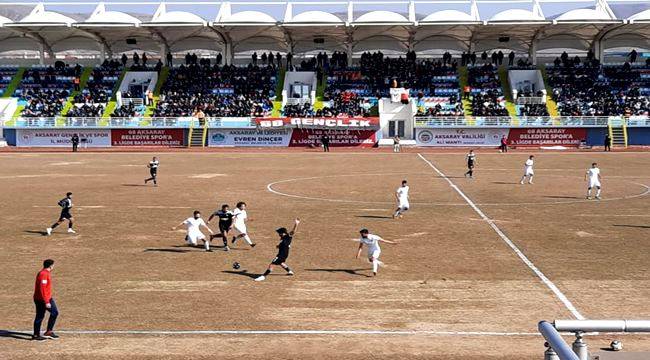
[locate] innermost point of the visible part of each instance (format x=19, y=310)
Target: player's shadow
x=15, y=335
x=505, y=183
x=177, y=249
x=347, y=271
x=135, y=185
x=242, y=273
x=633, y=226
x=374, y=217
x=42, y=233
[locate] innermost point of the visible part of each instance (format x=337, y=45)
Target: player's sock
x=375, y=265
x=286, y=268
x=54, y=226
x=267, y=272
x=598, y=193
x=207, y=245
x=70, y=225
x=248, y=239
x=589, y=192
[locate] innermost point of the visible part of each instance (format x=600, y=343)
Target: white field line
x=322, y=332
x=295, y=332
x=567, y=303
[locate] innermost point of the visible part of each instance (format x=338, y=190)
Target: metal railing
x=245, y=122
x=558, y=349
x=127, y=122
x=530, y=100
x=523, y=121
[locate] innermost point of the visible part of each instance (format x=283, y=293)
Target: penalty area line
x=567, y=303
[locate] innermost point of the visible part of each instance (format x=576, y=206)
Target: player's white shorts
x=594, y=183
x=241, y=228
x=374, y=254
x=403, y=205
x=193, y=239
x=529, y=172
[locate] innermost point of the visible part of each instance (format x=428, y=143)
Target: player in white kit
x=528, y=170
x=402, y=196
x=593, y=176
x=372, y=242
x=239, y=223
x=194, y=233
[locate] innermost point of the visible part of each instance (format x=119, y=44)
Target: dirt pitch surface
x=477, y=262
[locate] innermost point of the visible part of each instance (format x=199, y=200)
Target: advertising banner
x=147, y=137
x=249, y=137
x=61, y=137
x=547, y=136
x=367, y=123
x=460, y=137
x=312, y=137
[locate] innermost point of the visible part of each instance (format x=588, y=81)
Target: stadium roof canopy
x=305, y=26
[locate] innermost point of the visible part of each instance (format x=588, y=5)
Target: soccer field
x=477, y=262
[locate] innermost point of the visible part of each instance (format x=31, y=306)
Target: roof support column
x=532, y=51
x=598, y=47
x=164, y=49
x=41, y=55
x=229, y=54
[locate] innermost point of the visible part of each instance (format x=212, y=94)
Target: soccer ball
x=616, y=345
x=236, y=265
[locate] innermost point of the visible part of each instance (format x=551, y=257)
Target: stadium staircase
x=463, y=80
x=277, y=103
x=164, y=73
x=10, y=90
x=617, y=132
x=15, y=81
x=507, y=93
x=112, y=103
x=197, y=135
x=551, y=105
x=83, y=80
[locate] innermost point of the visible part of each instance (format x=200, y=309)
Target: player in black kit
x=283, y=251
x=66, y=205
x=225, y=224
x=153, y=170
x=471, y=162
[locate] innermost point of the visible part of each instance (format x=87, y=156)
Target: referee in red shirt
x=44, y=302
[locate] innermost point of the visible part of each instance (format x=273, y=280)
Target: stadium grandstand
x=468, y=63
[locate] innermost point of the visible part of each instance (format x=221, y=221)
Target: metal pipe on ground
x=555, y=341
x=602, y=325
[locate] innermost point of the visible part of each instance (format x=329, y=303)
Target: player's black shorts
x=470, y=164
x=279, y=260
x=65, y=214
x=224, y=227
x=153, y=172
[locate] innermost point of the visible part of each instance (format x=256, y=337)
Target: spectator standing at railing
x=633, y=56
x=170, y=58
x=124, y=60
x=76, y=82
x=144, y=59
x=511, y=58
x=75, y=142
x=200, y=115
x=136, y=58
